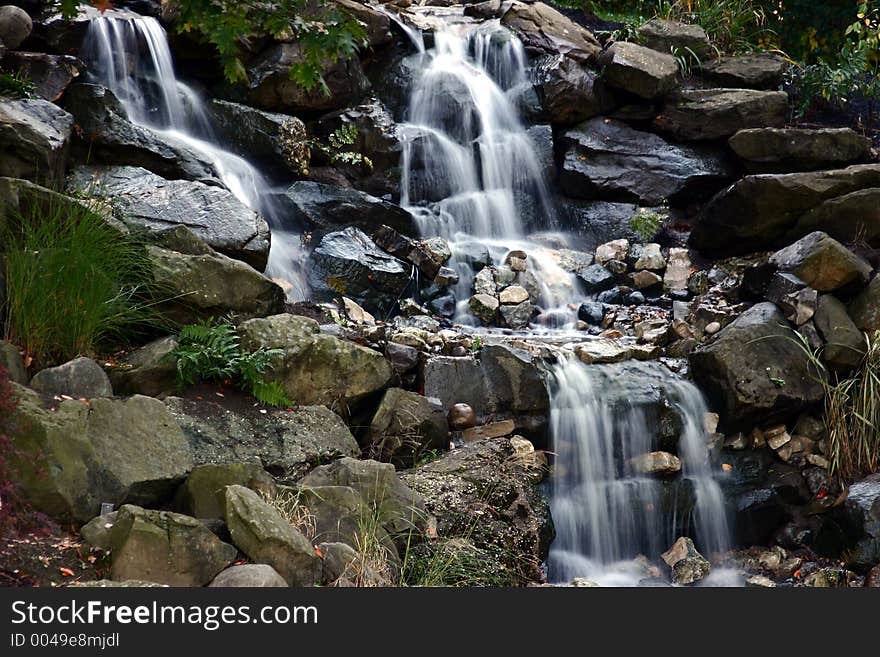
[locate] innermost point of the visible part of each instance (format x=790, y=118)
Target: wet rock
x=570, y=92
x=203, y=494
x=15, y=26
x=844, y=343
x=516, y=316
x=783, y=150
x=650, y=257
x=248, y=575
x=348, y=262
x=670, y=36
x=656, y=463
x=484, y=307
x=592, y=312
x=408, y=250
x=678, y=270
x=755, y=71
x=744, y=394
x=688, y=565
x=864, y=309
x=376, y=24
x=81, y=377
x=703, y=114
x=166, y=548
x=407, y=425
x=377, y=135
x=35, y=139
x=768, y=211
x=513, y=294
x=822, y=262
x=638, y=70
x=596, y=278
x=611, y=351
x=260, y=531
x=642, y=280
x=543, y=29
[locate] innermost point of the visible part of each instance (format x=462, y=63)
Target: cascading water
x=131, y=57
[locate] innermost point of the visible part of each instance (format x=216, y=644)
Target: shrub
x=15, y=85
x=211, y=351
x=73, y=281
x=647, y=223
x=732, y=25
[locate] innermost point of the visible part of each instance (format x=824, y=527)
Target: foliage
x=337, y=148
x=287, y=502
x=210, y=351
x=322, y=31
x=73, y=282
x=732, y=26
x=647, y=223
x=16, y=85
x=452, y=562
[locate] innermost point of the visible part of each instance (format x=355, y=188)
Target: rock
x=167, y=548
x=592, y=312
x=613, y=250
x=822, y=262
x=406, y=425
x=678, y=270
x=770, y=210
x=688, y=565
x=213, y=285
x=249, y=575
x=484, y=282
x=484, y=307
x=348, y=262
x=638, y=70
x=651, y=258
x=642, y=280
x=568, y=91
x=862, y=509
x=482, y=492
x=287, y=444
x=408, y=250
x=543, y=29
x=783, y=150
x=712, y=328
x=792, y=296
x=35, y=139
x=401, y=509
x=864, y=309
x=490, y=430
x=327, y=208
x=756, y=71
x=596, y=278
x=203, y=494
x=277, y=140
x=474, y=253
x=776, y=437
x=844, y=343
x=259, y=530
x=703, y=114
x=517, y=316
x=12, y=361
x=403, y=358
x=97, y=532
x=212, y=214
x=149, y=370
x=50, y=74
x=604, y=350
x=461, y=416
x=110, y=138
x=656, y=463
x=610, y=160
x=670, y=36
x=15, y=26
x=744, y=394
x=377, y=135
x=513, y=294
x=271, y=87
x=81, y=377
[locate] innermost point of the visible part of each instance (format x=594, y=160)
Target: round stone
x=461, y=417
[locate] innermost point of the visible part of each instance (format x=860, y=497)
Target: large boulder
x=213, y=214
x=317, y=368
x=68, y=460
x=638, y=70
x=15, y=26
x=770, y=210
x=277, y=140
x=149, y=370
x=406, y=426
x=248, y=575
x=862, y=507
x=487, y=493
x=755, y=71
x=260, y=531
x=376, y=23
x=596, y=222
x=673, y=37
x=755, y=371
x=109, y=137
x=822, y=262
x=349, y=263
x=608, y=159
x=844, y=342
x=81, y=377
x=287, y=444
x=544, y=30
x=569, y=92
x=271, y=87
x=166, y=548
x=203, y=494
x=35, y=139
x=326, y=208
x=50, y=74
x=782, y=150
x=704, y=114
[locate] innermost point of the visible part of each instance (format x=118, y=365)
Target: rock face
x=544, y=30
x=609, y=160
x=822, y=262
x=665, y=36
x=34, y=138
x=758, y=71
x=260, y=531
x=766, y=211
x=81, y=377
x=406, y=425
x=747, y=394
x=782, y=150
x=248, y=575
x=213, y=214
x=485, y=493
x=844, y=342
x=110, y=138
x=166, y=548
x=638, y=70
x=316, y=368
x=703, y=114
x=570, y=92
x=50, y=74
x=272, y=89
x=286, y=444
x=326, y=208
x=348, y=262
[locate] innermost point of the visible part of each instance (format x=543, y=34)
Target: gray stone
x=15, y=26
x=862, y=507
x=704, y=114
x=484, y=307
x=249, y=575
x=570, y=92
x=543, y=29
x=403, y=358
x=638, y=70
x=783, y=150
x=592, y=312
x=149, y=370
x=672, y=37
x=596, y=278
x=203, y=494
x=755, y=71
x=34, y=138
x=50, y=74
x=517, y=316
x=688, y=566
x=864, y=309
x=81, y=377
x=11, y=360
x=406, y=425
x=844, y=343
x=97, y=531
x=822, y=262
x=650, y=258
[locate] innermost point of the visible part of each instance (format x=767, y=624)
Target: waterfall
x=131, y=57
x=606, y=515
x=469, y=166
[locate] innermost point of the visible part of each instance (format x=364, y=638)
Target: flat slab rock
x=705, y=114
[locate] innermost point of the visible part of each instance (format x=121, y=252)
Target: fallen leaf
x=726, y=467
x=319, y=552
x=67, y=572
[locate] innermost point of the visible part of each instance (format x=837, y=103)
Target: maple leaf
x=102, y=5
